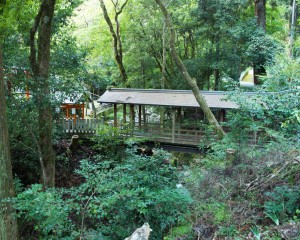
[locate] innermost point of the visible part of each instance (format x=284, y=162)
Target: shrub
x=122, y=196
x=46, y=211
x=282, y=203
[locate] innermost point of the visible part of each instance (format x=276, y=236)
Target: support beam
x=132, y=117
x=82, y=109
x=173, y=126
x=144, y=115
x=162, y=118
x=179, y=118
x=140, y=117
x=115, y=115
x=222, y=115
x=124, y=113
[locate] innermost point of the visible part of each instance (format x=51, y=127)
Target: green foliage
x=180, y=231
x=122, y=196
x=282, y=203
x=284, y=74
x=217, y=210
x=122, y=191
x=256, y=232
x=46, y=211
x=230, y=231
x=214, y=184
x=212, y=35
x=262, y=49
x=109, y=139
x=23, y=130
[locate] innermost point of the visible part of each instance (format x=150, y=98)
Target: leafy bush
x=110, y=140
x=283, y=203
x=179, y=232
x=217, y=210
x=46, y=211
x=120, y=197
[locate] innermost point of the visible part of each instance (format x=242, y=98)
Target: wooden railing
x=180, y=135
x=166, y=134
x=77, y=126
x=153, y=131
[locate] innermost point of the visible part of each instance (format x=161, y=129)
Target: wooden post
x=124, y=113
x=178, y=118
x=132, y=114
x=144, y=115
x=115, y=115
x=82, y=108
x=132, y=118
x=86, y=109
x=140, y=117
x=162, y=119
x=173, y=125
x=67, y=110
x=222, y=115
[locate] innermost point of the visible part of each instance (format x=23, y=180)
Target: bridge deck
x=177, y=135
x=151, y=131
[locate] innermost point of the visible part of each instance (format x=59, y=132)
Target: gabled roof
x=162, y=97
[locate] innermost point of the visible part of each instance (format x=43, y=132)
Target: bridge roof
x=162, y=97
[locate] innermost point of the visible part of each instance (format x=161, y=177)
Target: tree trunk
x=216, y=70
x=116, y=36
x=164, y=57
x=217, y=79
x=191, y=82
x=8, y=222
x=292, y=27
x=260, y=13
x=40, y=61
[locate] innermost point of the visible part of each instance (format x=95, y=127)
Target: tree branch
x=191, y=82
x=122, y=7
x=117, y=43
x=33, y=31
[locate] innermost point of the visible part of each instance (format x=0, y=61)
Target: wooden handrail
x=86, y=126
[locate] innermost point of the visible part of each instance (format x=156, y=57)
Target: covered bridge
x=169, y=127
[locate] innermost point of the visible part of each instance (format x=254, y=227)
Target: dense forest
x=108, y=184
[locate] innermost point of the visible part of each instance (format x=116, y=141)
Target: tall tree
x=8, y=222
x=260, y=13
x=40, y=62
x=191, y=82
x=116, y=34
x=292, y=27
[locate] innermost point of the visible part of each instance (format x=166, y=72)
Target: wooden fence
x=165, y=134
x=182, y=135
x=153, y=131
x=80, y=126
